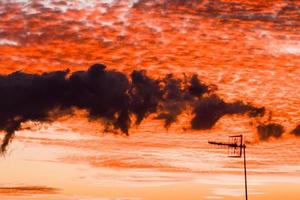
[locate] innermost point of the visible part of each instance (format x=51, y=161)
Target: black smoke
x=209, y=110
x=29, y=97
x=113, y=97
x=179, y=95
x=266, y=131
x=296, y=131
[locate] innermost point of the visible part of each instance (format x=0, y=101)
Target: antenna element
x=235, y=150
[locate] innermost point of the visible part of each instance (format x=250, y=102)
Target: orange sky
x=249, y=49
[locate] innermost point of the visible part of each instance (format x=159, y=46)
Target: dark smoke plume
x=29, y=97
x=178, y=95
x=210, y=109
x=111, y=96
x=296, y=131
x=267, y=131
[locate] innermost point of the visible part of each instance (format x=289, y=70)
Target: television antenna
x=236, y=149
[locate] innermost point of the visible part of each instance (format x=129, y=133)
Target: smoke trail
x=267, y=131
x=28, y=97
x=109, y=95
x=296, y=131
x=210, y=109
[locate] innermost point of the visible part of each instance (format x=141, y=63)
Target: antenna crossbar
x=227, y=144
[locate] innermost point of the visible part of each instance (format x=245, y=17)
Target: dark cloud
x=296, y=131
x=113, y=97
x=266, y=131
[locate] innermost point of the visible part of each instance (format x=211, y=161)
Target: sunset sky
x=74, y=132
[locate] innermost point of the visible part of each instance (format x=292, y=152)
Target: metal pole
x=244, y=147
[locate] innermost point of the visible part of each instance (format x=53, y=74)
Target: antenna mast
x=236, y=149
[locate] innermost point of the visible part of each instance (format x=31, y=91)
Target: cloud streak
x=24, y=190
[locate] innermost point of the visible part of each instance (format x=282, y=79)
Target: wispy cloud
x=27, y=190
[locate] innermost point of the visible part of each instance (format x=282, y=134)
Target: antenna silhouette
x=236, y=149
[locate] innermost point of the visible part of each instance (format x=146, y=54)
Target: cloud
x=21, y=190
x=271, y=11
x=112, y=97
x=267, y=131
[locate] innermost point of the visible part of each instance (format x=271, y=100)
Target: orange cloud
x=27, y=190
